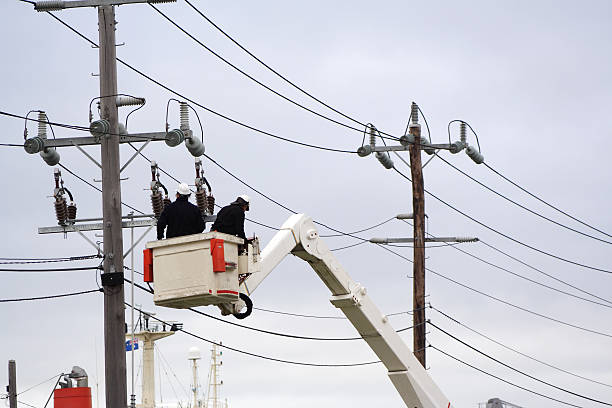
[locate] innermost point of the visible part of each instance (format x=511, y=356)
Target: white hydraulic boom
x=299, y=236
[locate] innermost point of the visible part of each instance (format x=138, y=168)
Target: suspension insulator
x=71, y=211
x=201, y=200
x=50, y=156
x=167, y=202
x=195, y=146
x=475, y=155
x=157, y=203
x=384, y=159
x=211, y=204
x=61, y=211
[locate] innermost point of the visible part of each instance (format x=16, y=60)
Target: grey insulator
x=456, y=147
x=195, y=146
x=414, y=112
x=49, y=5
x=50, y=156
x=365, y=150
x=475, y=155
x=124, y=100
x=175, y=137
x=384, y=159
x=425, y=145
x=462, y=135
x=406, y=140
x=34, y=145
x=99, y=128
x=184, y=115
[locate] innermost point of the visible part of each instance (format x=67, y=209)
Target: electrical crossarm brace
x=299, y=236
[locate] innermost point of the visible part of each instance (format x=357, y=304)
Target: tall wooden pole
x=112, y=279
x=12, y=385
x=418, y=209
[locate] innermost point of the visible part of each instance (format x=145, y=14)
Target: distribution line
x=517, y=370
x=506, y=235
x=50, y=296
x=199, y=104
x=174, y=23
x=608, y=303
x=522, y=206
x=40, y=383
x=293, y=336
x=84, y=268
x=505, y=381
x=517, y=351
x=254, y=354
x=545, y=202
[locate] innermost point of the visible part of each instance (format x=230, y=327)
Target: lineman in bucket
x=181, y=217
x=230, y=219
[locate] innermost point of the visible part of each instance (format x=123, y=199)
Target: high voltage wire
x=607, y=304
x=254, y=354
x=522, y=206
x=515, y=369
x=515, y=350
x=85, y=268
x=506, y=235
x=50, y=296
x=269, y=331
x=251, y=77
x=506, y=381
x=14, y=261
x=272, y=69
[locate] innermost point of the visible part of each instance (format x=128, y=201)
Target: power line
x=545, y=202
x=358, y=231
x=199, y=104
x=251, y=77
x=515, y=369
x=40, y=383
x=505, y=235
x=522, y=206
x=254, y=354
x=293, y=336
x=84, y=268
x=506, y=381
x=8, y=261
x=515, y=350
x=272, y=69
x=50, y=296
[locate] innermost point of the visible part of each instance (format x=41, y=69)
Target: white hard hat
x=245, y=198
x=183, y=189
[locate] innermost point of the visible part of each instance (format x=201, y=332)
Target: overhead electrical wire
x=50, y=296
x=14, y=261
x=608, y=303
x=254, y=354
x=293, y=336
x=40, y=383
x=515, y=350
x=174, y=23
x=201, y=105
x=506, y=235
x=505, y=381
x=522, y=206
x=515, y=369
x=84, y=268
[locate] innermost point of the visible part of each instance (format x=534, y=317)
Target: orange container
x=78, y=397
x=148, y=265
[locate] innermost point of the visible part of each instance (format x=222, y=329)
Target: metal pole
x=112, y=279
x=418, y=209
x=12, y=387
x=133, y=394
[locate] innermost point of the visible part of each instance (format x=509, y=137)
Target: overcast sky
x=531, y=78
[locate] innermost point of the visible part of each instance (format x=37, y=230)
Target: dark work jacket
x=181, y=217
x=230, y=220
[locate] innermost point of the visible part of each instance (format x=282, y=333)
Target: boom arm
x=299, y=236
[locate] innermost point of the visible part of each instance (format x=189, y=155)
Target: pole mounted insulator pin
x=475, y=155
x=184, y=116
x=462, y=131
x=364, y=151
x=53, y=5
x=125, y=100
x=175, y=137
x=99, y=128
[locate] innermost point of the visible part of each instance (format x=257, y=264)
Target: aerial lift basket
x=193, y=270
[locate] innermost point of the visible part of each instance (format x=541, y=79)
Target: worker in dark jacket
x=181, y=217
x=230, y=219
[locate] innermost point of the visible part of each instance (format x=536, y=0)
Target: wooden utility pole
x=12, y=385
x=112, y=278
x=418, y=209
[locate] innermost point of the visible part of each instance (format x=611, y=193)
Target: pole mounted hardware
x=56, y=5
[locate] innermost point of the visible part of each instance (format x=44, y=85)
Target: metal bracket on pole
x=97, y=247
x=137, y=241
x=134, y=155
x=86, y=154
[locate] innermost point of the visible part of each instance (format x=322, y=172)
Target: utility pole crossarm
x=432, y=239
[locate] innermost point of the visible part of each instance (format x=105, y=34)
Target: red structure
x=78, y=397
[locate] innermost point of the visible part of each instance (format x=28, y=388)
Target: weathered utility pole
x=418, y=209
x=112, y=278
x=12, y=385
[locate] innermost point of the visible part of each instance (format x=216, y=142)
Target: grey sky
x=532, y=78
